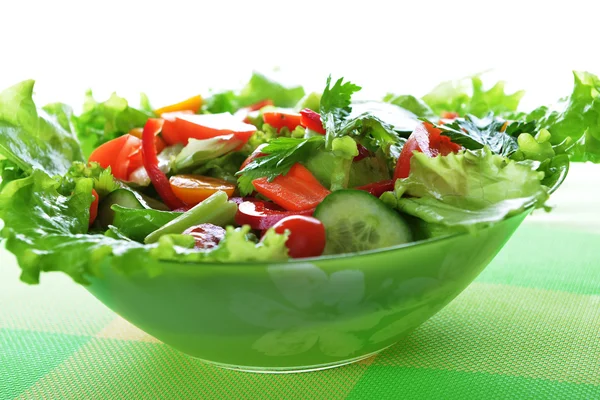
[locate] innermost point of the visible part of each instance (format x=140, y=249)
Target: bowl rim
x=365, y=253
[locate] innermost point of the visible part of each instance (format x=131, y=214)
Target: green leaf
x=282, y=154
x=474, y=133
x=467, y=96
x=101, y=122
x=198, y=151
x=469, y=189
x=260, y=87
x=336, y=106
x=411, y=103
x=33, y=138
x=576, y=117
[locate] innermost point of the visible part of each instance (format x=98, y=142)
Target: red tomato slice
x=427, y=140
x=182, y=127
x=115, y=154
x=278, y=119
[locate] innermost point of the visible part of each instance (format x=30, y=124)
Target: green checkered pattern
x=529, y=327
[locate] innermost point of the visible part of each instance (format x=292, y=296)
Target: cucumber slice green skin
x=123, y=197
x=356, y=221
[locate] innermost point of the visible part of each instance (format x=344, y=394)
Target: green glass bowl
x=303, y=314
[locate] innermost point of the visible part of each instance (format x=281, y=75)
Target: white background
x=171, y=49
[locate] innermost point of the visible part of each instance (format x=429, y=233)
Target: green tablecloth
x=529, y=327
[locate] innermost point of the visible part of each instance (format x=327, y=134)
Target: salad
x=269, y=172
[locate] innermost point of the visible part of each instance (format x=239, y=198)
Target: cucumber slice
x=122, y=197
x=358, y=221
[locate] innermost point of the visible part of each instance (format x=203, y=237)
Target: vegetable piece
x=182, y=127
x=34, y=138
x=257, y=153
x=158, y=178
x=198, y=151
x=469, y=190
x=137, y=223
x=170, y=133
x=307, y=235
x=427, y=140
x=311, y=120
x=281, y=154
x=94, y=207
x=298, y=190
x=261, y=215
x=280, y=119
x=363, y=153
x=467, y=96
x=192, y=104
x=214, y=210
x=122, y=197
x=117, y=155
x=378, y=188
x=207, y=236
x=355, y=221
x=261, y=87
x=192, y=189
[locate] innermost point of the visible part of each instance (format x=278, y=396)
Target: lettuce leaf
x=46, y=224
x=467, y=96
x=261, y=87
x=36, y=139
x=101, y=122
x=469, y=189
x=575, y=118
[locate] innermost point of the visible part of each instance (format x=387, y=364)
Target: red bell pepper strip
x=378, y=188
x=298, y=190
x=261, y=215
x=158, y=178
x=278, y=119
x=311, y=120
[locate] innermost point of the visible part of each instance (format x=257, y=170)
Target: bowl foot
x=291, y=370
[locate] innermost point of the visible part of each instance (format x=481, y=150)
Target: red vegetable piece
x=207, y=235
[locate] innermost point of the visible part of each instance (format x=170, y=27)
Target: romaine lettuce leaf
x=411, y=103
x=469, y=189
x=32, y=138
x=260, y=87
x=136, y=224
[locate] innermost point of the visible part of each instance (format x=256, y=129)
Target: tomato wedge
x=192, y=189
x=312, y=120
x=192, y=104
x=427, y=140
x=181, y=127
x=298, y=190
x=280, y=119
x=118, y=154
x=94, y=207
x=261, y=215
x=261, y=104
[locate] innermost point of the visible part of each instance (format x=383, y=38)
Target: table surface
x=528, y=327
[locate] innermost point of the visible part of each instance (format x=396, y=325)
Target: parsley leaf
x=474, y=133
x=282, y=154
x=336, y=106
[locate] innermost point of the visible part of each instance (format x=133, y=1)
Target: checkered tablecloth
x=529, y=327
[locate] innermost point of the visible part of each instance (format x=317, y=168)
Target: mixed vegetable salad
x=271, y=172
